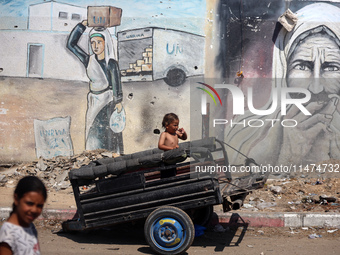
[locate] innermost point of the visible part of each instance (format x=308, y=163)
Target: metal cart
x=163, y=188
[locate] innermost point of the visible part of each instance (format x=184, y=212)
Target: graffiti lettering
x=98, y=20
x=167, y=49
x=134, y=36
x=177, y=48
x=52, y=132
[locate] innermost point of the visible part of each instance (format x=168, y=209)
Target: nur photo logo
x=280, y=98
x=204, y=96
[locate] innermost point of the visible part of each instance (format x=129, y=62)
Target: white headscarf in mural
x=311, y=19
x=266, y=144
x=109, y=50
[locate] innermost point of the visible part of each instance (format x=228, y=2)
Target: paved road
x=240, y=240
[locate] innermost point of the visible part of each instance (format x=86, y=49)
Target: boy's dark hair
x=168, y=118
x=29, y=184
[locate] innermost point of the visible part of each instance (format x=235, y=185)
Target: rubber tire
x=174, y=213
x=175, y=77
x=202, y=216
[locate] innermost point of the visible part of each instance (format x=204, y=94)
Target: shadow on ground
x=133, y=233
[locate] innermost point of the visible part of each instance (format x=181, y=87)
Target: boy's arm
x=182, y=134
x=161, y=143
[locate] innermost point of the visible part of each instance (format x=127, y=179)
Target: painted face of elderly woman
x=307, y=57
x=315, y=65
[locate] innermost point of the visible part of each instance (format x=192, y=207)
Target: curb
x=256, y=219
x=281, y=219
x=47, y=214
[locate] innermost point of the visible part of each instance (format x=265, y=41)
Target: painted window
x=75, y=16
x=62, y=15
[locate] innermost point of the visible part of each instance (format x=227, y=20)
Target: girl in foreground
x=18, y=235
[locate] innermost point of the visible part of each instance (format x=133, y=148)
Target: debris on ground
x=312, y=236
x=295, y=195
x=53, y=171
x=308, y=192
x=332, y=230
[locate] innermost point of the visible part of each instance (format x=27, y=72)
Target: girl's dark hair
x=29, y=184
x=168, y=118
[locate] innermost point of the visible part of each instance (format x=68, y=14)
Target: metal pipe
x=237, y=204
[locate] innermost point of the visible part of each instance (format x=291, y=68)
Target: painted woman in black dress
x=105, y=94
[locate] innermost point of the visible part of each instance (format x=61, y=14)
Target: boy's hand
x=181, y=130
x=182, y=134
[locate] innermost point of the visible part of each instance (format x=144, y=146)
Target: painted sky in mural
x=175, y=14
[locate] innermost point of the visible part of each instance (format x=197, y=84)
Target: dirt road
x=130, y=240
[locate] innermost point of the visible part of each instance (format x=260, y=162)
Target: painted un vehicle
x=148, y=54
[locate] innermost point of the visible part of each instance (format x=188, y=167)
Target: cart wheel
x=175, y=77
x=202, y=216
x=169, y=230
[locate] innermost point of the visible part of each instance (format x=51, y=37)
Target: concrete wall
x=249, y=38
x=44, y=89
x=240, y=36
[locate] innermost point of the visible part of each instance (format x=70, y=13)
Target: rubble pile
x=296, y=195
x=53, y=171
x=313, y=192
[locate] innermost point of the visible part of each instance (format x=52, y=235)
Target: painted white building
x=39, y=55
x=54, y=16
x=40, y=51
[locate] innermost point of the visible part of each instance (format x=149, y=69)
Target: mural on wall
x=104, y=101
x=306, y=57
x=58, y=60
x=156, y=53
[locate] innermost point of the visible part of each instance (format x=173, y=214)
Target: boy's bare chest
x=172, y=139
